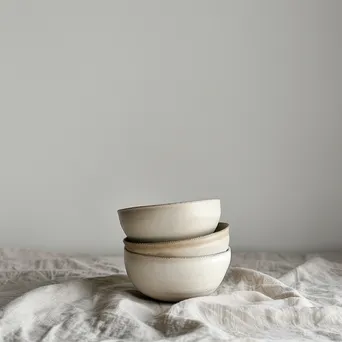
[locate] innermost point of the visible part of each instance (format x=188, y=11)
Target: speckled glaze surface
x=214, y=243
x=174, y=279
x=173, y=221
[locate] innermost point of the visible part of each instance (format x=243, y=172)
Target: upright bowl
x=174, y=221
x=214, y=243
x=174, y=279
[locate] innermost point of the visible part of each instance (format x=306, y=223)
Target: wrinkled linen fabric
x=264, y=297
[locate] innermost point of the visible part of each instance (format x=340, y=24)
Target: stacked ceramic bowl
x=176, y=251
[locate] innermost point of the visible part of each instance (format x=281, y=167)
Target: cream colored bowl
x=174, y=279
x=214, y=243
x=174, y=221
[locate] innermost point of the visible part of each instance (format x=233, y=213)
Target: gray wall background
x=106, y=104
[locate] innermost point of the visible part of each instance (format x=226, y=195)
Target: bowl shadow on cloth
x=115, y=290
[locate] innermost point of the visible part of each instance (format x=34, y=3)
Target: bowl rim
x=224, y=231
x=228, y=251
x=171, y=204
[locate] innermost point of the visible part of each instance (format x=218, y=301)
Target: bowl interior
x=221, y=228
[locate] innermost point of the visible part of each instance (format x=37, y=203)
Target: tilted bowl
x=174, y=221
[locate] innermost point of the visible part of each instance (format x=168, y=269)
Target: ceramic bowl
x=174, y=221
x=174, y=279
x=214, y=243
